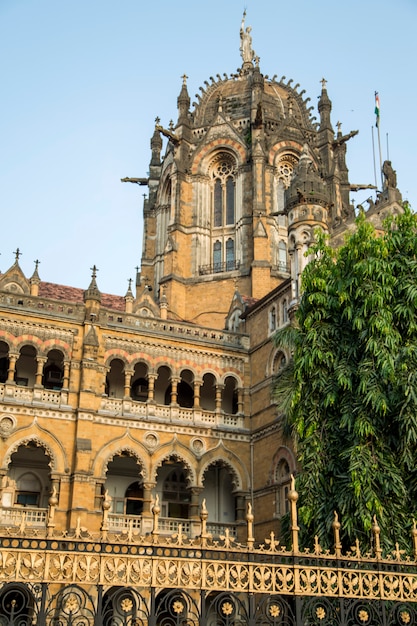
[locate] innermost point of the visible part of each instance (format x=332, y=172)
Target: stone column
x=219, y=390
x=65, y=381
x=240, y=400
x=151, y=387
x=197, y=388
x=174, y=383
x=12, y=367
x=128, y=378
x=40, y=361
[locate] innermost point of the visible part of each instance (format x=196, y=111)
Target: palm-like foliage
x=350, y=393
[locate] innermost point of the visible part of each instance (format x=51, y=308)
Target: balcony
x=218, y=268
x=18, y=517
x=124, y=523
x=169, y=413
x=29, y=395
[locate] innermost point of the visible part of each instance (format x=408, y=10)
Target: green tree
x=349, y=394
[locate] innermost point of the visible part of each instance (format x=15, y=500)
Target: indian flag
x=377, y=108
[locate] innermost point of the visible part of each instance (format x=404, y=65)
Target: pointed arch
x=123, y=446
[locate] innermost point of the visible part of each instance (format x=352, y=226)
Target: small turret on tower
x=307, y=207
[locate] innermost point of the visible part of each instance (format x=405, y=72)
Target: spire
x=183, y=102
x=156, y=144
x=35, y=276
x=35, y=280
x=325, y=107
x=93, y=292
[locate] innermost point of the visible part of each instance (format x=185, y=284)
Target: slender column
x=240, y=398
x=174, y=389
x=128, y=378
x=219, y=390
x=194, y=504
x=240, y=507
x=12, y=367
x=147, y=499
x=197, y=388
x=65, y=381
x=41, y=360
x=151, y=387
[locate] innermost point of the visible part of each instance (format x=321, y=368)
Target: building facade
x=143, y=468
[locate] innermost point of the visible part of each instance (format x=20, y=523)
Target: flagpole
x=373, y=154
x=377, y=113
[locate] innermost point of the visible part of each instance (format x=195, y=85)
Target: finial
x=17, y=254
x=184, y=79
x=171, y=125
x=94, y=269
x=36, y=264
x=157, y=120
x=323, y=83
x=129, y=280
x=339, y=126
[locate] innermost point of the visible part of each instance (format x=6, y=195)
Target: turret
x=92, y=297
x=183, y=103
x=34, y=281
x=307, y=207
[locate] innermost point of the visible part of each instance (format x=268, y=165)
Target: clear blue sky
x=83, y=80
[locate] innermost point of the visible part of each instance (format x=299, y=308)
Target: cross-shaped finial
x=157, y=120
x=36, y=264
x=339, y=126
x=94, y=269
x=184, y=79
x=129, y=280
x=323, y=83
x=17, y=253
x=137, y=269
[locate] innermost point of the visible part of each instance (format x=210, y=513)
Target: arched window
x=230, y=255
x=282, y=257
x=223, y=171
x=217, y=256
x=283, y=482
x=175, y=494
x=4, y=361
x=284, y=311
x=53, y=371
x=272, y=319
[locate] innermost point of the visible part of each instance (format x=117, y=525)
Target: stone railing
x=179, y=415
x=215, y=529
x=30, y=395
x=158, y=326
x=122, y=523
x=23, y=517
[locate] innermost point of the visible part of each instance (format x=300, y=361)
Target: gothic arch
x=56, y=344
x=231, y=375
x=107, y=453
x=40, y=443
x=274, y=364
x=204, y=157
x=282, y=454
x=284, y=147
x=29, y=340
x=236, y=480
x=116, y=353
x=181, y=454
x=9, y=339
x=224, y=455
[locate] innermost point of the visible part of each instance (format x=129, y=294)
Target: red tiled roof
x=74, y=294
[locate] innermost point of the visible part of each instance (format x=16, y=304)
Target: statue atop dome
x=246, y=50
